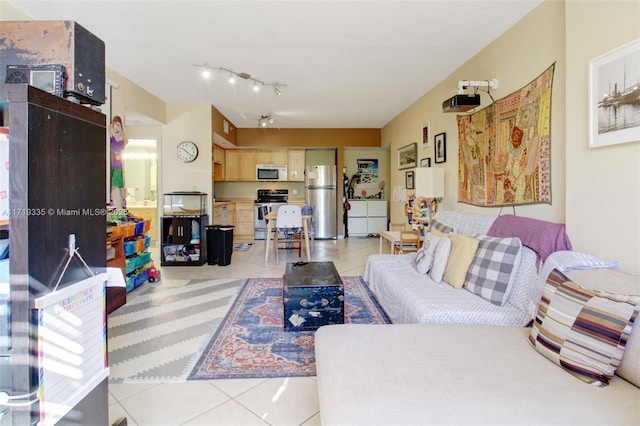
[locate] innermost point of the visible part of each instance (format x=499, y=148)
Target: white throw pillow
x=440, y=259
x=424, y=258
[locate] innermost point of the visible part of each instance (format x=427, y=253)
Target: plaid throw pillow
x=583, y=331
x=494, y=267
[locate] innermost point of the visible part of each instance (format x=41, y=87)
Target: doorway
x=141, y=180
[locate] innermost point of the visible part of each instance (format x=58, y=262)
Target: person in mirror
x=118, y=143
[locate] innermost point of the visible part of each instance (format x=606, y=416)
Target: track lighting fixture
x=265, y=120
x=257, y=84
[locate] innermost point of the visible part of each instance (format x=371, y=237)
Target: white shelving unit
x=367, y=217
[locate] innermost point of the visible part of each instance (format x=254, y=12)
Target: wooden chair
x=396, y=226
x=288, y=224
x=409, y=241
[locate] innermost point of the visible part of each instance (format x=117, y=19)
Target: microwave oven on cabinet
x=271, y=172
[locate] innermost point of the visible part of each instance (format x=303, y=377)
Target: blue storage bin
x=147, y=241
x=139, y=227
x=141, y=278
x=129, y=248
x=132, y=264
x=131, y=281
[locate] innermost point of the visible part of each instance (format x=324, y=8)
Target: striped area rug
x=161, y=331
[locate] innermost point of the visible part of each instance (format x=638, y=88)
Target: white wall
x=187, y=122
x=603, y=184
x=517, y=57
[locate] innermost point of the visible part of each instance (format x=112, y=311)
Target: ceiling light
x=257, y=84
x=265, y=120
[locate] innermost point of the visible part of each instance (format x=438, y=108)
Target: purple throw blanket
x=540, y=236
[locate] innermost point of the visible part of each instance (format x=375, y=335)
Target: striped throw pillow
x=584, y=331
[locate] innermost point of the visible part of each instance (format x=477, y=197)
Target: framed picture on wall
x=426, y=134
x=425, y=162
x=441, y=147
x=409, y=180
x=407, y=156
x=613, y=96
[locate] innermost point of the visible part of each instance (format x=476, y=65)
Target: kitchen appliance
x=57, y=42
x=267, y=201
x=277, y=172
x=321, y=194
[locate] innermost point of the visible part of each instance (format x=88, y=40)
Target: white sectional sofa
x=455, y=374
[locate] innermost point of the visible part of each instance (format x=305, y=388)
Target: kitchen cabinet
x=184, y=240
x=240, y=165
x=218, y=164
x=244, y=218
x=224, y=214
x=367, y=217
x=296, y=165
x=272, y=156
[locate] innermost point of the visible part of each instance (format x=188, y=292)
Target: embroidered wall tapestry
x=504, y=151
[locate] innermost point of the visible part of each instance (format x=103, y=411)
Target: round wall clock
x=187, y=151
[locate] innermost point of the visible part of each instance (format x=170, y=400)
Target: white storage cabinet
x=367, y=217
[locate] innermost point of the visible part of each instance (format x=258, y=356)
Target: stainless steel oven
x=267, y=201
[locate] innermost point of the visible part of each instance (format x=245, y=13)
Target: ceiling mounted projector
x=461, y=103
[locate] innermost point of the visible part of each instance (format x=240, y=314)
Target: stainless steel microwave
x=271, y=172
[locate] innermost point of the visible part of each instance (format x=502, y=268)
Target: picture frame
x=440, y=148
x=409, y=180
x=425, y=162
x=425, y=134
x=612, y=91
x=407, y=156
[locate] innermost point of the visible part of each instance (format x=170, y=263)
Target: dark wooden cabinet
x=184, y=240
x=57, y=181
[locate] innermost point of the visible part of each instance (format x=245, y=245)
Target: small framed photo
x=426, y=134
x=425, y=162
x=440, y=147
x=409, y=180
x=613, y=96
x=407, y=156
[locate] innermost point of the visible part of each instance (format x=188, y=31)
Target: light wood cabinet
x=296, y=162
x=240, y=165
x=218, y=164
x=272, y=156
x=224, y=214
x=244, y=218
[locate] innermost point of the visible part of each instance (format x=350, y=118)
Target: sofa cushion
x=493, y=270
x=440, y=259
x=442, y=227
x=463, y=250
x=620, y=283
x=424, y=257
x=583, y=331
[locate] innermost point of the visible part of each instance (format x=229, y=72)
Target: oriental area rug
x=251, y=341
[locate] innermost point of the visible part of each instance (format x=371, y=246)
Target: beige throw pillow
x=463, y=250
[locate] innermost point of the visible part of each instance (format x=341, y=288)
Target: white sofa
x=423, y=374
x=408, y=296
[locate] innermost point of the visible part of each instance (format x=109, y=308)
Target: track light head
x=206, y=73
x=277, y=90
x=232, y=79
x=256, y=87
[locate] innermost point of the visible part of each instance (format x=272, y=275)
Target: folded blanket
x=565, y=261
x=540, y=236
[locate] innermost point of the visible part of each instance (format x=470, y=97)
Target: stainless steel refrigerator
x=322, y=195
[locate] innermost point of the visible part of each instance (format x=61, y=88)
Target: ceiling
x=346, y=64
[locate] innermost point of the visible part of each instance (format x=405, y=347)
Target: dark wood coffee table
x=313, y=296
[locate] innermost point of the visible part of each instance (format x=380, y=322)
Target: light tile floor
x=281, y=401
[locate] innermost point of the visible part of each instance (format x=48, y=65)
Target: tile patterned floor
x=276, y=402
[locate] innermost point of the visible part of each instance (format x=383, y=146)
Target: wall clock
x=187, y=151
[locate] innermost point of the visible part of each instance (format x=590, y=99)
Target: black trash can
x=223, y=237
x=211, y=245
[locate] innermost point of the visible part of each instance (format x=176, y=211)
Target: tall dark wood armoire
x=57, y=182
